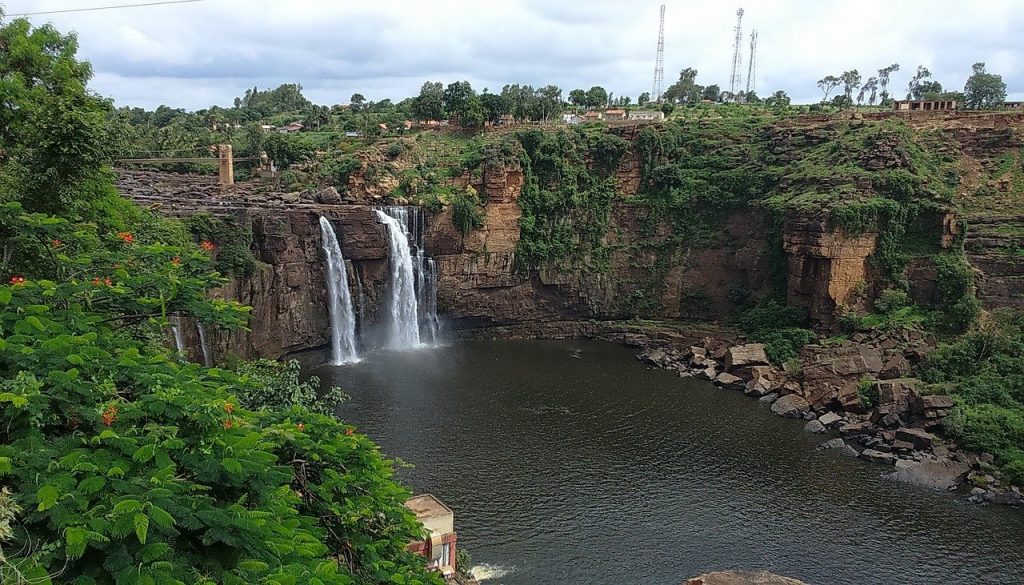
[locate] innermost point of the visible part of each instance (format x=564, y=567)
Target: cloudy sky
x=201, y=53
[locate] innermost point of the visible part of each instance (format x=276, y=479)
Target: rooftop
x=427, y=506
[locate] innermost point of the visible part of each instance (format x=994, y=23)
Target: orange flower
x=108, y=282
x=229, y=408
x=109, y=415
x=176, y=261
x=16, y=280
x=126, y=237
x=349, y=432
x=228, y=424
x=56, y=243
x=207, y=246
x=301, y=426
x=96, y=281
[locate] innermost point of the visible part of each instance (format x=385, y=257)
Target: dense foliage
x=118, y=462
x=984, y=370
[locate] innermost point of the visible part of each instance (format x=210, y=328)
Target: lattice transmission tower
x=752, y=65
x=659, y=60
x=735, y=83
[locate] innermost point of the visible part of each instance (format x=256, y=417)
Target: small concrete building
x=615, y=114
x=1013, y=105
x=290, y=128
x=646, y=115
x=439, y=547
x=593, y=116
x=924, y=105
x=572, y=119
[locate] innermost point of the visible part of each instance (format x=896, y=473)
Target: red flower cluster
x=349, y=432
x=102, y=281
x=207, y=246
x=56, y=243
x=109, y=415
x=16, y=280
x=301, y=427
x=176, y=261
x=228, y=423
x=229, y=408
x=126, y=237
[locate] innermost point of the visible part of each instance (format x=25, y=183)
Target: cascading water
x=412, y=302
x=362, y=304
x=205, y=345
x=179, y=340
x=339, y=303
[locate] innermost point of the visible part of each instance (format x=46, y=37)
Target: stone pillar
x=226, y=164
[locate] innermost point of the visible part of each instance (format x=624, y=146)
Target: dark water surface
x=595, y=469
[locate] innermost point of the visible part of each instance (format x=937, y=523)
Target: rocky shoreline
x=858, y=390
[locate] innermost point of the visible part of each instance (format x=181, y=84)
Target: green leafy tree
x=643, y=99
x=779, y=99
x=851, y=81
x=685, y=90
x=597, y=97
x=827, y=84
x=984, y=89
x=711, y=93
x=884, y=76
x=357, y=101
x=494, y=106
x=914, y=91
x=578, y=98
x=429, y=104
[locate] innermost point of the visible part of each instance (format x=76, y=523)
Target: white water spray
x=205, y=345
x=402, y=306
x=339, y=301
x=179, y=340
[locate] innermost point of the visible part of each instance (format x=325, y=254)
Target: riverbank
x=859, y=389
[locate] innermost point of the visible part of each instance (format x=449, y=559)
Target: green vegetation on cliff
x=120, y=463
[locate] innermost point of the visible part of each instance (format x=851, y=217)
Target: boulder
x=758, y=387
x=933, y=473
x=877, y=456
x=814, y=426
x=655, y=357
x=895, y=367
x=829, y=418
x=919, y=438
x=896, y=396
x=836, y=443
x=729, y=381
x=790, y=405
x=709, y=373
x=768, y=398
x=751, y=354
x=329, y=196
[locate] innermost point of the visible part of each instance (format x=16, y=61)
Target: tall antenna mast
x=737, y=57
x=752, y=66
x=659, y=59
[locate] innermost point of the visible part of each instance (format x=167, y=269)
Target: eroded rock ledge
x=742, y=578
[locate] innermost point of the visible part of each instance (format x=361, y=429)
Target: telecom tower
x=659, y=60
x=737, y=58
x=752, y=66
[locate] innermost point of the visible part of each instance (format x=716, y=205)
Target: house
x=924, y=105
x=439, y=546
x=572, y=119
x=353, y=134
x=290, y=128
x=593, y=116
x=615, y=114
x=268, y=127
x=1013, y=105
x=646, y=115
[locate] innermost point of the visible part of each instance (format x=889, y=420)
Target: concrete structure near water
x=439, y=546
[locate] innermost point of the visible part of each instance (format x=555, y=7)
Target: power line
x=104, y=8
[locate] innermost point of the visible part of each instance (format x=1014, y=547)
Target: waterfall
x=362, y=304
x=204, y=344
x=179, y=341
x=343, y=322
x=412, y=306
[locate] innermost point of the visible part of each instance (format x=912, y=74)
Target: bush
x=778, y=327
x=466, y=213
x=232, y=242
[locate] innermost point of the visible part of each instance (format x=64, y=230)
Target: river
x=572, y=462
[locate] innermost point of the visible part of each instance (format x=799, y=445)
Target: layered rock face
x=481, y=285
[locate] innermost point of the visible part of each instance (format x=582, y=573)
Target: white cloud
x=195, y=54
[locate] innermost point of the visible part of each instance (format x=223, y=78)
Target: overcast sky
x=197, y=54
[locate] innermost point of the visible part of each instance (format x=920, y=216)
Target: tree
x=462, y=103
x=870, y=88
x=711, y=93
x=597, y=97
x=643, y=99
x=357, y=100
x=914, y=86
x=429, y=104
x=520, y=99
x=779, y=99
x=851, y=81
x=983, y=89
x=685, y=89
x=884, y=75
x=54, y=133
x=827, y=84
x=494, y=105
x=578, y=98
x=548, y=100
